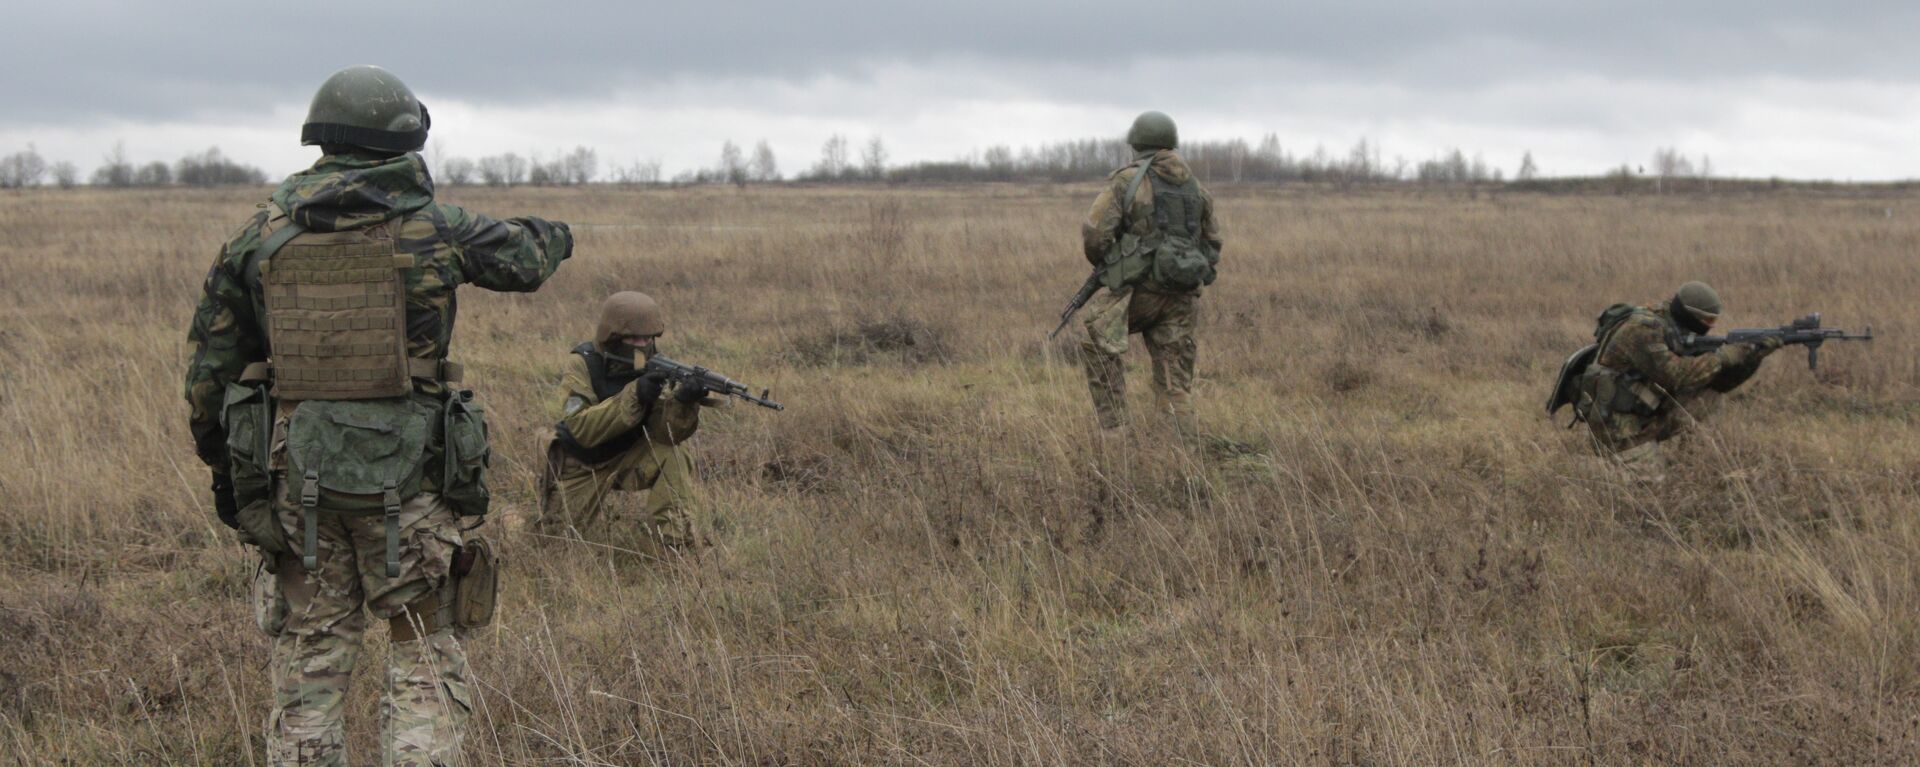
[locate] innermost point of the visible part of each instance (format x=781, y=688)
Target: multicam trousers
x=576, y=495
x=1166, y=322
x=317, y=619
x=1635, y=442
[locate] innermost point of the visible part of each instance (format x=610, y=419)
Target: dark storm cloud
x=86, y=60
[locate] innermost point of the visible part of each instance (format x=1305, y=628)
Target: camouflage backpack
x=1182, y=260
x=1605, y=390
x=1173, y=258
x=1596, y=390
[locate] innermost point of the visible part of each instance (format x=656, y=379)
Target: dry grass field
x=931, y=559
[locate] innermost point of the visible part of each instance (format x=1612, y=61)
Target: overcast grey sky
x=1764, y=87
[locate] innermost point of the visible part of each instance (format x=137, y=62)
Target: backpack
x=1173, y=258
x=1182, y=259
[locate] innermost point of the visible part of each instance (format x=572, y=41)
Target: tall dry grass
x=930, y=558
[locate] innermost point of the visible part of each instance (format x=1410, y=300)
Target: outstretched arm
x=515, y=254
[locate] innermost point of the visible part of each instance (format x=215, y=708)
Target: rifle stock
x=1087, y=289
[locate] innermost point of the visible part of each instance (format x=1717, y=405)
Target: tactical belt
x=438, y=371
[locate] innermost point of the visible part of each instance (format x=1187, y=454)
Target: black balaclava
x=1685, y=318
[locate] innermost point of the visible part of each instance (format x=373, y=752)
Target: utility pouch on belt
x=463, y=479
x=247, y=416
x=476, y=574
x=360, y=458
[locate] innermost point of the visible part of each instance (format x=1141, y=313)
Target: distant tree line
x=575, y=168
x=1229, y=161
x=26, y=168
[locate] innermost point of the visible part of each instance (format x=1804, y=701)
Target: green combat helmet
x=366, y=106
x=1699, y=299
x=1153, y=130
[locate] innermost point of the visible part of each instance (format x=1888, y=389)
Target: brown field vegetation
x=929, y=558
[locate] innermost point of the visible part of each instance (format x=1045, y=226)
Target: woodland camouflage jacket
x=450, y=247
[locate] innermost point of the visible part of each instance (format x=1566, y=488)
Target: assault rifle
x=1087, y=289
x=1805, y=331
x=684, y=374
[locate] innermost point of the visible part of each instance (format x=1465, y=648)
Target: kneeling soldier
x=621, y=428
x=1643, y=387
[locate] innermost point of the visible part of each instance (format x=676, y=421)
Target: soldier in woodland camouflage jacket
x=355, y=393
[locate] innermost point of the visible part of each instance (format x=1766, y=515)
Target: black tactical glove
x=690, y=392
x=1742, y=364
x=223, y=504
x=647, y=388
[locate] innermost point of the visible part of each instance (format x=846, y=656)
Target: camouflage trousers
x=1166, y=322
x=317, y=618
x=577, y=497
x=1635, y=442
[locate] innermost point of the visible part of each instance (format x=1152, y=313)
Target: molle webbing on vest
x=1177, y=208
x=336, y=316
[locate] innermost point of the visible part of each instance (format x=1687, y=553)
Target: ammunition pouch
x=247, y=416
x=465, y=455
x=1129, y=260
x=476, y=582
x=466, y=601
x=1605, y=391
x=357, y=457
x=1128, y=263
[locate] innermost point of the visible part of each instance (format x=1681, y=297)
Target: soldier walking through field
x=1153, y=237
x=341, y=444
x=622, y=428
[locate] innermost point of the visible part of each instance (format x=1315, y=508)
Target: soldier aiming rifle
x=1652, y=372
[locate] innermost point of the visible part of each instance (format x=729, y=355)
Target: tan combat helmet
x=628, y=313
x=1699, y=299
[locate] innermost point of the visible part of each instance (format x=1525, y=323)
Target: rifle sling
x=1126, y=200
